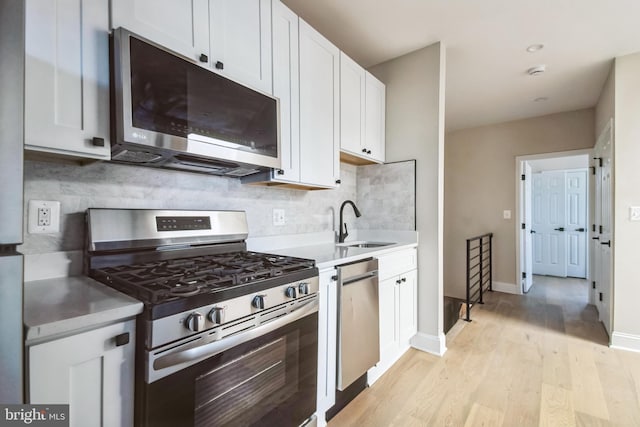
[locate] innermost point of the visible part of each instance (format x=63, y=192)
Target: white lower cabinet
x=398, y=287
x=327, y=341
x=91, y=371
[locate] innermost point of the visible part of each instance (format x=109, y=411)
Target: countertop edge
x=85, y=304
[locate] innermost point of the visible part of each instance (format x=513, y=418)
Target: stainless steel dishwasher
x=358, y=320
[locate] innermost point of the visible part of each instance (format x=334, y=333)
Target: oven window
x=270, y=380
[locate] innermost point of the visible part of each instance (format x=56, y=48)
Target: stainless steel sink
x=365, y=244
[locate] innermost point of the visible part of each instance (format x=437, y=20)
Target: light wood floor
x=536, y=360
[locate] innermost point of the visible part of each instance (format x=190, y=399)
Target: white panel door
x=576, y=223
x=604, y=206
x=407, y=306
x=241, y=41
x=388, y=302
x=375, y=109
x=549, y=243
x=67, y=77
x=352, y=105
x=286, y=87
x=319, y=109
x=179, y=25
x=526, y=235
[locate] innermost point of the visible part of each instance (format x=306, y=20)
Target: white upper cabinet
x=240, y=40
x=362, y=114
x=178, y=25
x=319, y=109
x=67, y=77
x=231, y=37
x=352, y=105
x=286, y=88
x=374, y=123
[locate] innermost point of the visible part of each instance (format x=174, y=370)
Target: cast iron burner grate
x=156, y=282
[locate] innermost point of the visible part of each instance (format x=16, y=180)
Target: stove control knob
x=216, y=315
x=303, y=288
x=195, y=322
x=258, y=301
x=290, y=292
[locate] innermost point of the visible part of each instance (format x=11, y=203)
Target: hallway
x=538, y=359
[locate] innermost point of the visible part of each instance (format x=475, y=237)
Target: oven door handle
x=215, y=347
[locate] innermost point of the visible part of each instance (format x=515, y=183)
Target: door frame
x=519, y=214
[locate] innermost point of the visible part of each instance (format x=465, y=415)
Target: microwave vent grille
x=136, y=156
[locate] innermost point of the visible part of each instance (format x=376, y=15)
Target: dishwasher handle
x=354, y=279
x=348, y=273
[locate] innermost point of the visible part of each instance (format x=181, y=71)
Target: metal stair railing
x=479, y=271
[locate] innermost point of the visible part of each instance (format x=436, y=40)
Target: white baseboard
x=509, y=288
x=624, y=341
x=434, y=344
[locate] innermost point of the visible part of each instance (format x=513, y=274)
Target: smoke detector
x=537, y=70
x=534, y=48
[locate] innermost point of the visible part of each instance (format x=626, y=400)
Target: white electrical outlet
x=634, y=213
x=43, y=216
x=506, y=214
x=278, y=217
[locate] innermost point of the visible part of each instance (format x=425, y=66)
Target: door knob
x=580, y=229
x=559, y=229
x=606, y=243
x=533, y=232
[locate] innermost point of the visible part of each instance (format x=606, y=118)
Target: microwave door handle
x=215, y=347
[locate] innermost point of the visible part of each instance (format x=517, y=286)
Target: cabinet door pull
x=122, y=339
x=364, y=150
x=203, y=58
x=404, y=279
x=338, y=181
x=219, y=65
x=97, y=142
x=368, y=151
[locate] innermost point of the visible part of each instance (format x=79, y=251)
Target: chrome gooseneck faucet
x=343, y=234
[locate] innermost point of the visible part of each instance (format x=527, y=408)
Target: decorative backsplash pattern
x=120, y=186
x=385, y=195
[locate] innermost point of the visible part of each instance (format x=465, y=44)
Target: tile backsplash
x=382, y=199
x=386, y=196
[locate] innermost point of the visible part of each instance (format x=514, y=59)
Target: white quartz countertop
x=60, y=306
x=321, y=247
x=330, y=255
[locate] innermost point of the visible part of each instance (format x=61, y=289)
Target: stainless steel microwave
x=168, y=111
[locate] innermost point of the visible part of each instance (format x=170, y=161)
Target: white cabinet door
x=327, y=341
x=375, y=110
x=319, y=109
x=388, y=304
x=241, y=41
x=407, y=307
x=178, y=25
x=352, y=106
x=89, y=372
x=67, y=77
x=286, y=88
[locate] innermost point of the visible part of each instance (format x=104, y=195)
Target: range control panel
x=180, y=223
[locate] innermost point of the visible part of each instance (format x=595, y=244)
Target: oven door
x=270, y=379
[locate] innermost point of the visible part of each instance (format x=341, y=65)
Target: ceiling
x=486, y=41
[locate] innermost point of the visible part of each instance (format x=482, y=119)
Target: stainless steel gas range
x=227, y=336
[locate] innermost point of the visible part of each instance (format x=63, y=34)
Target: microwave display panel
x=172, y=96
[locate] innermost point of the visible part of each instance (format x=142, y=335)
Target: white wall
x=626, y=240
x=415, y=130
x=480, y=182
